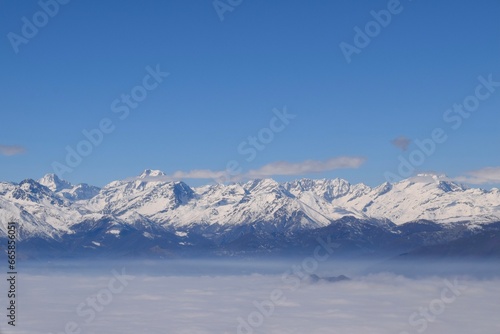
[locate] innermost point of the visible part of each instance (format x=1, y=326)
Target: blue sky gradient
x=227, y=77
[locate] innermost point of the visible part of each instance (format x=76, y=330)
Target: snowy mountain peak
x=29, y=192
x=183, y=193
x=441, y=182
x=260, y=184
x=150, y=173
x=66, y=190
x=30, y=189
x=54, y=183
x=325, y=188
x=383, y=188
x=451, y=186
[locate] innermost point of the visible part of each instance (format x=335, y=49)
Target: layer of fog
x=233, y=297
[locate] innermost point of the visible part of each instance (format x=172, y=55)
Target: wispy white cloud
x=202, y=174
x=279, y=168
x=196, y=174
x=305, y=167
x=481, y=176
x=10, y=150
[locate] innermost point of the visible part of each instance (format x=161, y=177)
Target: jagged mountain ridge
x=155, y=207
x=57, y=204
x=79, y=192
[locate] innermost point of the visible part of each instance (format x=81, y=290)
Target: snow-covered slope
x=50, y=207
x=429, y=197
x=424, y=196
x=145, y=195
x=259, y=201
x=39, y=211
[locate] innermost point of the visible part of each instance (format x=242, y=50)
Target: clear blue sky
x=226, y=77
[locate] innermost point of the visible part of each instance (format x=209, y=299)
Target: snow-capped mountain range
x=51, y=205
x=51, y=208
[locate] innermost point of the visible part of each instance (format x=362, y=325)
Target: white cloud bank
x=279, y=168
x=487, y=175
x=376, y=304
x=305, y=167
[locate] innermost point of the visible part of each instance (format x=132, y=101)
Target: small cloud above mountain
x=10, y=150
x=277, y=168
x=487, y=175
x=401, y=142
x=305, y=167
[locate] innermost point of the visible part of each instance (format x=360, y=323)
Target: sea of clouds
x=127, y=300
